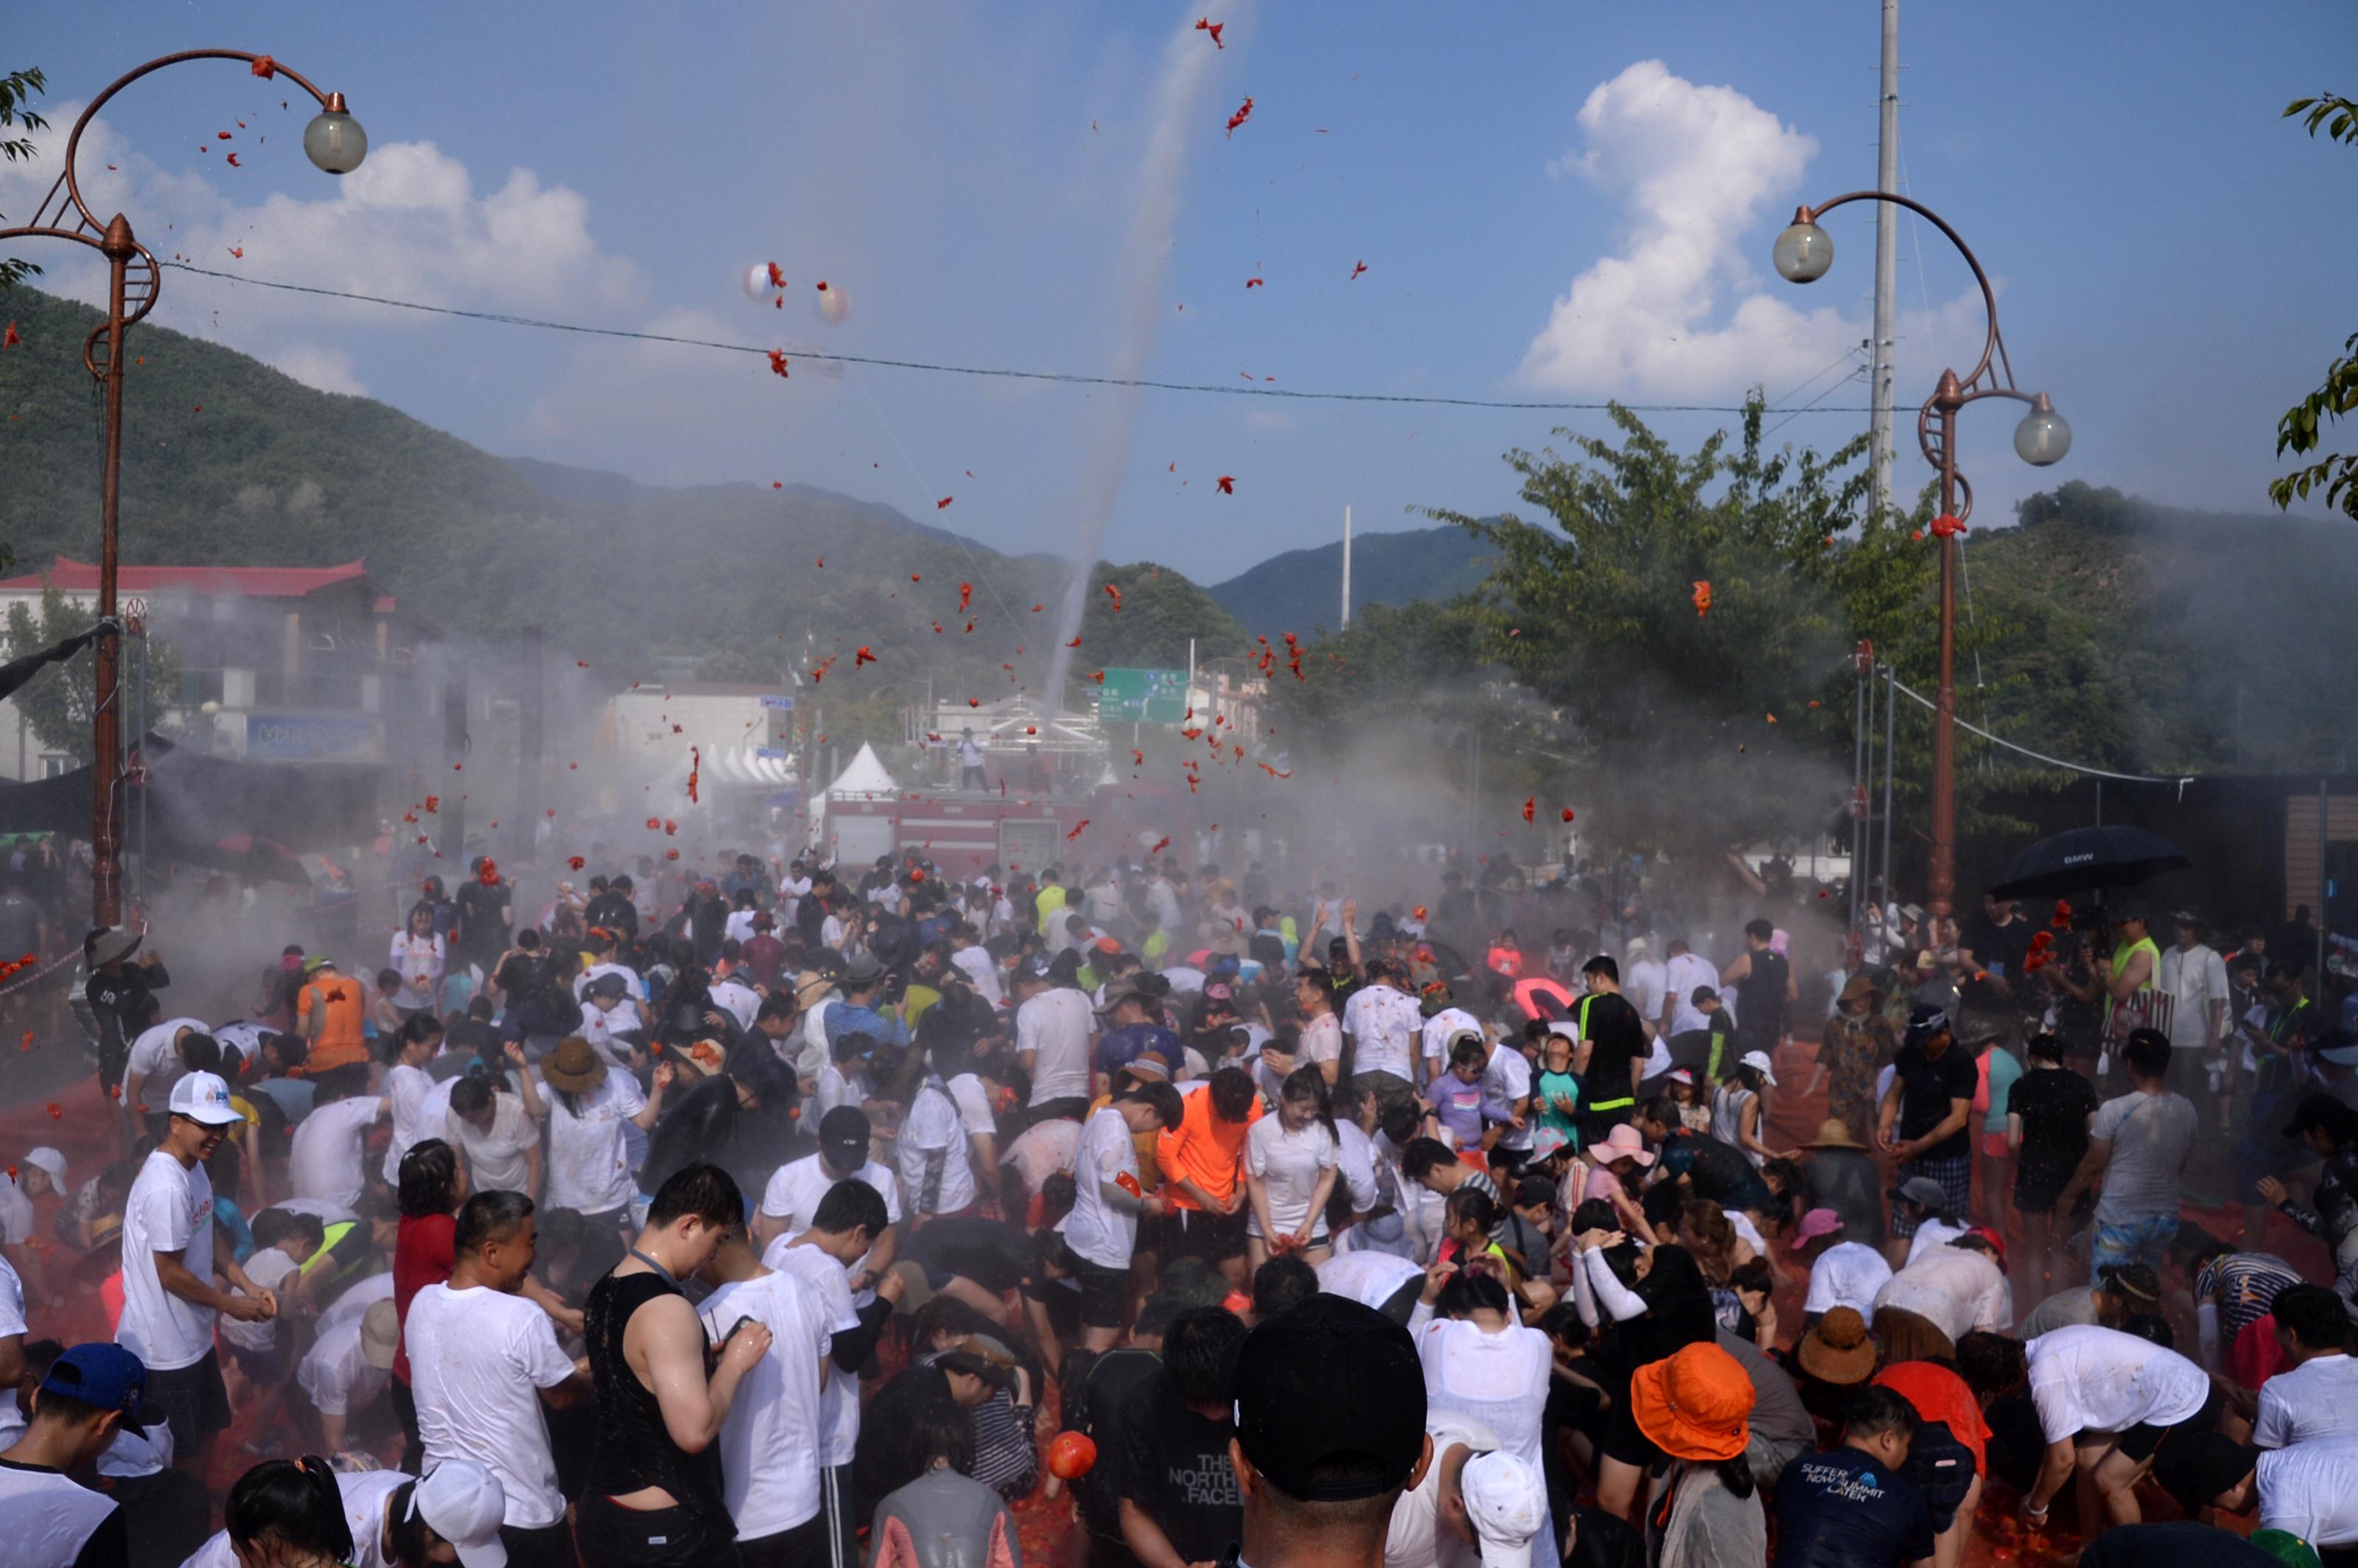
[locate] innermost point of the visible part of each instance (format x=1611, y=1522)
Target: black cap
x=1327, y=1381
x=843, y=1138
x=2326, y=1114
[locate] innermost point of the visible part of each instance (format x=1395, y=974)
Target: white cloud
x=408, y=223
x=329, y=370
x=1693, y=168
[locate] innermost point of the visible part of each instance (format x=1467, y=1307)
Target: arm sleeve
x=850, y=1350
x=1615, y=1297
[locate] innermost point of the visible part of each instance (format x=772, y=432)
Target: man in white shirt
x=1842, y=1273
x=791, y=1200
x=1683, y=972
x=2195, y=979
x=2316, y=1395
x=483, y=1361
x=170, y=1297
x=1956, y=1287
x=2109, y=1404
x=2308, y=1491
x=772, y=1441
x=326, y=1158
x=90, y=1394
x=159, y=1057
x=969, y=756
x=1101, y=1232
x=1381, y=1021
x=1443, y=1022
x=936, y=1161
x=348, y=1367
x=1506, y=1101
x=975, y=962
x=497, y=1136
x=1051, y=1042
x=1645, y=980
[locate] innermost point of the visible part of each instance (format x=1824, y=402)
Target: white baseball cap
x=203, y=1098
x=463, y=1503
x=1507, y=1503
x=50, y=1161
x=1759, y=1060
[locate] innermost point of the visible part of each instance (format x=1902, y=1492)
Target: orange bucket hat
x=1693, y=1405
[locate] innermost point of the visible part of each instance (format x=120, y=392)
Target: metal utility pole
x=1346, y=570
x=531, y=687
x=1886, y=259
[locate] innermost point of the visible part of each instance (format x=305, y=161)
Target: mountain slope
x=1303, y=588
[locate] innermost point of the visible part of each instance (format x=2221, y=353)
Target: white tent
x=863, y=777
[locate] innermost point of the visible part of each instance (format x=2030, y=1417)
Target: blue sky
x=970, y=176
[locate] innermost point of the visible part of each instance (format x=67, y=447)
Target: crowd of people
x=809, y=1216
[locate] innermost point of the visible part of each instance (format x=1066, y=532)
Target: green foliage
x=60, y=700
x=1161, y=612
x=17, y=89
x=2335, y=473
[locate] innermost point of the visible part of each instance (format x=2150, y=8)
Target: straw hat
x=574, y=1066
x=1694, y=1405
x=1859, y=986
x=1833, y=1133
x=1837, y=1350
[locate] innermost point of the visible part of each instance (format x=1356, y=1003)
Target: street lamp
x=1803, y=253
x=335, y=142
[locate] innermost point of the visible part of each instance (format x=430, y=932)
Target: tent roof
x=864, y=774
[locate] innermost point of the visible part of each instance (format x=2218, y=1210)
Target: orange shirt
x=340, y=1042
x=1204, y=1150
x=1940, y=1394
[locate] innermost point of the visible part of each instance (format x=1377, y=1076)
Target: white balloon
x=757, y=282
x=832, y=304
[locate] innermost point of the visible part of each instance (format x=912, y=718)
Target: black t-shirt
x=481, y=929
x=1174, y=1466
x=2000, y=949
x=1926, y=1089
x=1845, y=1181
x=1616, y=1037
x=1096, y=1408
x=1845, y=1509
x=2054, y=1103
x=1760, y=1000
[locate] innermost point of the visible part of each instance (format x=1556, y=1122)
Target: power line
x=998, y=373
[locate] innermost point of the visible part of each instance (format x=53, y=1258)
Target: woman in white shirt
x=1290, y=1169
x=418, y=959
x=1484, y=1366
x=586, y=1104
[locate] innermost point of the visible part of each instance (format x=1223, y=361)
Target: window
x=56, y=765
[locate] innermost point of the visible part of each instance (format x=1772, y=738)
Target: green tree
x=60, y=700
x=2336, y=473
x=1157, y=611
x=16, y=90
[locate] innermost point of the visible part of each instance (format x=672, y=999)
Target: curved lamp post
x=1803, y=253
x=334, y=140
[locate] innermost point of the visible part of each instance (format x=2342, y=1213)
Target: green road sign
x=1143, y=696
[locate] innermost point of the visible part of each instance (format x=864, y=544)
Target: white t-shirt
x=1848, y=1273
x=269, y=1267
x=49, y=1517
x=2310, y=1490
x=1320, y=1042
x=933, y=1152
x=2195, y=979
x=2317, y=1399
x=352, y=1304
x=1680, y=976
x=1382, y=1023
x=797, y=1187
x=740, y=1000
x=1288, y=1163
x=830, y=1284
x=170, y=1209
x=1955, y=1290
x=1436, y=1033
x=495, y=1159
x=1096, y=1230
x=1355, y=1163
x=1368, y=1278
x=418, y=960
x=1507, y=1078
x=1054, y=1025
x=836, y=1087
x=336, y=1374
x=325, y=1159
x=770, y=1445
x=1931, y=1233
x=2089, y=1378
x=589, y=1158
x=1504, y=1374
x=407, y=1089
x=478, y=1360
x=1414, y=1539
x=1645, y=983
x=1042, y=1149
x=12, y=1302
x=155, y=1059
x=973, y=1102
x=15, y=1213
x=975, y=963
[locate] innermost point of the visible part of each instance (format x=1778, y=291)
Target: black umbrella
x=2087, y=857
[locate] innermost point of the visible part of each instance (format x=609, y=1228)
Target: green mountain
x=228, y=462
x=1301, y=589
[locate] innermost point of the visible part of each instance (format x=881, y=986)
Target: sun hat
x=1328, y=1379
x=1859, y=986
x=381, y=1334
x=1695, y=1404
x=1837, y=1349
x=1816, y=1223
x=1833, y=1133
x=1626, y=1140
x=1758, y=1062
x=1507, y=1503
x=112, y=945
x=203, y=1098
x=574, y=1066
x=464, y=1503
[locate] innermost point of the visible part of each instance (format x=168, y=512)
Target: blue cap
x=103, y=1375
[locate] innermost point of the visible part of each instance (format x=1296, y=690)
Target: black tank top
x=634, y=1449
x=1760, y=1000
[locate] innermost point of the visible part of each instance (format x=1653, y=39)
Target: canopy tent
x=214, y=811
x=865, y=776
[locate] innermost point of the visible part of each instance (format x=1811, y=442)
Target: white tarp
x=865, y=776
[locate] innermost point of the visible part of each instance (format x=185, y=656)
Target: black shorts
x=2144, y=1440
x=1105, y=1294
x=2037, y=1187
x=193, y=1400
x=1943, y=1469
x=1624, y=1442
x=1199, y=1233
x=263, y=1367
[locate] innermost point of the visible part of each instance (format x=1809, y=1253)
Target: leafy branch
x=2335, y=473
x=17, y=89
